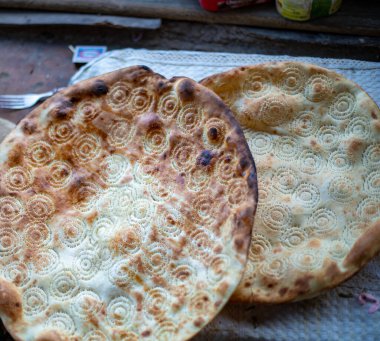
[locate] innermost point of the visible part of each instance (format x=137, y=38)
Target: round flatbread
x=126, y=209
x=316, y=140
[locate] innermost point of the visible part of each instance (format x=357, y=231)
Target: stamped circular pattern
x=184, y=273
x=306, y=260
x=202, y=242
x=86, y=147
x=260, y=143
x=226, y=168
x=160, y=191
x=168, y=106
x=37, y=235
x=274, y=111
x=369, y=208
x=339, y=161
x=236, y=192
x=304, y=124
x=40, y=154
x=96, y=228
x=338, y=249
x=359, y=126
x=260, y=248
x=142, y=211
x=292, y=80
x=170, y=222
x=285, y=180
x=274, y=267
x=214, y=133
x=35, y=301
x=328, y=136
x=341, y=189
x=61, y=321
x=343, y=106
x=120, y=133
x=120, y=311
x=156, y=302
x=183, y=156
x=189, y=119
x=293, y=237
x=86, y=264
x=120, y=273
x=198, y=178
x=200, y=303
x=307, y=195
x=118, y=96
x=155, y=141
x=318, y=88
x=103, y=227
x=88, y=110
x=371, y=156
x=256, y=84
x=218, y=268
x=60, y=174
x=96, y=335
x=165, y=330
x=64, y=285
x=276, y=216
x=61, y=132
x=72, y=231
x=323, y=221
x=310, y=162
x=40, y=207
x=114, y=167
x=312, y=134
x=85, y=196
x=18, y=273
x=86, y=304
x=139, y=101
x=353, y=230
x=129, y=240
x=372, y=183
x=286, y=148
x=18, y=179
x=45, y=262
x=10, y=241
x=11, y=209
x=156, y=258
x=204, y=208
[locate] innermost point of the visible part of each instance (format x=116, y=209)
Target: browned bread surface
x=126, y=209
x=315, y=137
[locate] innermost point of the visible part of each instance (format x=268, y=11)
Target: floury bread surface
x=315, y=137
x=126, y=209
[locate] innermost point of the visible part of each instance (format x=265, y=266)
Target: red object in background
x=216, y=5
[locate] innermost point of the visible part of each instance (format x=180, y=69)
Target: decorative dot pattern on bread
x=126, y=209
x=315, y=137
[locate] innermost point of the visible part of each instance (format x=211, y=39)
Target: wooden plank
x=354, y=17
x=18, y=18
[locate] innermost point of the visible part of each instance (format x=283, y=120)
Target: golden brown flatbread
x=126, y=209
x=316, y=140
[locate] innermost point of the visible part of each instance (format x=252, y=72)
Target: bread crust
x=126, y=208
x=333, y=124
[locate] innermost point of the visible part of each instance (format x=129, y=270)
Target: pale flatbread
x=315, y=137
x=126, y=209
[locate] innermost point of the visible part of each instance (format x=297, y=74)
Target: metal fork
x=24, y=101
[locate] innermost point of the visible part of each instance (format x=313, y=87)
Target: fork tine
x=13, y=96
x=8, y=99
x=12, y=102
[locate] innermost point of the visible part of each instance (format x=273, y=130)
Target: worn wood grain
x=355, y=17
x=22, y=18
